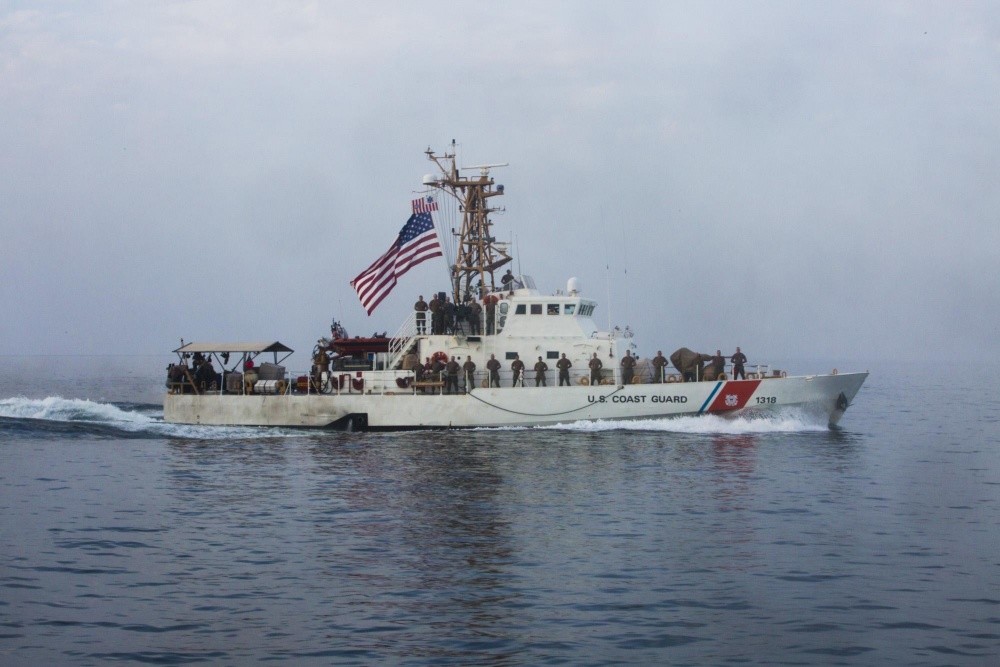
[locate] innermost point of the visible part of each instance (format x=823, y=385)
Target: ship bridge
x=528, y=313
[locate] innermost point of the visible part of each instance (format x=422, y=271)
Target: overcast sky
x=803, y=179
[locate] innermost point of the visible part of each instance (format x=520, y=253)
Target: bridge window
x=519, y=310
x=569, y=309
x=536, y=309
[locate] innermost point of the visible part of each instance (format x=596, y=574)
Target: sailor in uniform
x=493, y=366
x=659, y=363
x=421, y=315
x=564, y=365
x=469, y=367
x=451, y=379
x=540, y=369
x=595, y=370
x=628, y=367
x=517, y=367
x=738, y=360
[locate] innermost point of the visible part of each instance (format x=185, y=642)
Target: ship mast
x=478, y=255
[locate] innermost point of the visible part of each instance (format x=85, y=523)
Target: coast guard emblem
x=732, y=400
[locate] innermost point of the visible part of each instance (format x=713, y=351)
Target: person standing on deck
x=718, y=364
x=450, y=311
x=493, y=366
x=540, y=368
x=437, y=366
x=491, y=314
x=437, y=315
x=659, y=363
x=564, y=365
x=517, y=367
x=469, y=369
x=475, y=317
x=739, y=359
x=451, y=380
x=628, y=367
x=420, y=307
x=595, y=370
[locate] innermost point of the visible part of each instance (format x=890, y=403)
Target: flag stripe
x=416, y=242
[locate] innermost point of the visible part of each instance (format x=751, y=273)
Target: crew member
x=449, y=316
x=461, y=317
x=540, y=369
x=493, y=366
x=475, y=317
x=421, y=315
x=451, y=380
x=437, y=315
x=508, y=280
x=659, y=363
x=718, y=363
x=595, y=370
x=517, y=367
x=437, y=367
x=564, y=365
x=491, y=314
x=738, y=360
x=206, y=377
x=628, y=367
x=469, y=367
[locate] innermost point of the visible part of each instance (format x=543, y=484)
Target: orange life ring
x=440, y=356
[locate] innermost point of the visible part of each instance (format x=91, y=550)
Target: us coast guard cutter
x=379, y=382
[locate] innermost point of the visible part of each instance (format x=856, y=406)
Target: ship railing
x=388, y=382
x=401, y=341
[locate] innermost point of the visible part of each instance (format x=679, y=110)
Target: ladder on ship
x=402, y=341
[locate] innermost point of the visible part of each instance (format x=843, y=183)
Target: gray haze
x=802, y=179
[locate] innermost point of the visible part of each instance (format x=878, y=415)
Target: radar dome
x=429, y=179
x=573, y=286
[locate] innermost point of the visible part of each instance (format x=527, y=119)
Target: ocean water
x=699, y=541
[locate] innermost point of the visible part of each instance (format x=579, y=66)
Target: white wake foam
x=786, y=421
x=58, y=409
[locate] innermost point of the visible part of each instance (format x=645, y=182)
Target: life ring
x=671, y=378
x=358, y=384
x=636, y=380
x=585, y=381
x=440, y=356
x=721, y=377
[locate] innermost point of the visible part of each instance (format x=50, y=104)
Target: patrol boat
x=379, y=382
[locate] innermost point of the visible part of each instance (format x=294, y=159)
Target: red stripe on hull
x=733, y=395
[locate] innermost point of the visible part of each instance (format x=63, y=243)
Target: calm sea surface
x=691, y=541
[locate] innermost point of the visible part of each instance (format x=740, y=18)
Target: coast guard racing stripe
x=733, y=395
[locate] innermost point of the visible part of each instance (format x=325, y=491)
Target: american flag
x=424, y=205
x=417, y=241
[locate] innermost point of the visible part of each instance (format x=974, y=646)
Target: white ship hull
x=826, y=396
